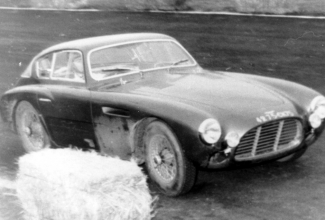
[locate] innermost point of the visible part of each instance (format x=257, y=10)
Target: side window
x=44, y=66
x=68, y=66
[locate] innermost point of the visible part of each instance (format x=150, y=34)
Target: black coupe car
x=143, y=97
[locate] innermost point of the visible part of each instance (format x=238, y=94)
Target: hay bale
x=67, y=184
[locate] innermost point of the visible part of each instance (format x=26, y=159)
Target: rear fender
x=10, y=100
x=7, y=108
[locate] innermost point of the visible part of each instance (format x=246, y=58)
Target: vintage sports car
x=143, y=97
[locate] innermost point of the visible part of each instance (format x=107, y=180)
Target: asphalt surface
x=291, y=49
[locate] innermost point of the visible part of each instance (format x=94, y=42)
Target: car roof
x=87, y=44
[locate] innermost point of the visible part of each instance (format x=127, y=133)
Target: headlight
x=232, y=139
x=315, y=121
x=210, y=131
x=317, y=111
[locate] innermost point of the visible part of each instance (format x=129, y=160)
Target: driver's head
x=77, y=63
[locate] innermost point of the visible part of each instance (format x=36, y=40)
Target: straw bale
x=66, y=184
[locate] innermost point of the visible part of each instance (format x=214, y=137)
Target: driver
x=76, y=69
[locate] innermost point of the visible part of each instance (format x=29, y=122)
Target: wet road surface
x=287, y=48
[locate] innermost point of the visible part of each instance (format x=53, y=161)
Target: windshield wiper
x=176, y=63
x=179, y=62
x=117, y=69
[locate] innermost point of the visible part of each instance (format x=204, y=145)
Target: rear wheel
x=30, y=128
x=165, y=161
x=293, y=157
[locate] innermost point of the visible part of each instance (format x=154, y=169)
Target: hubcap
x=162, y=158
x=32, y=129
x=157, y=159
x=28, y=131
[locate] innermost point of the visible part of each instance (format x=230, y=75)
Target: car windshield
x=134, y=57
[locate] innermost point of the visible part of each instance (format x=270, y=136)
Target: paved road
x=286, y=48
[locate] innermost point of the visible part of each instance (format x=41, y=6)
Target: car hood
x=212, y=90
x=239, y=104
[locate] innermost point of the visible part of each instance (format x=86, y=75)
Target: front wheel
x=30, y=128
x=165, y=161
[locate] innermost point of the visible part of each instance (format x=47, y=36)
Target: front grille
x=269, y=137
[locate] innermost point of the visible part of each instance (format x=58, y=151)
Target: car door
x=65, y=100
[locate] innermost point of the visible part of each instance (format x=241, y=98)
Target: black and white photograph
x=162, y=109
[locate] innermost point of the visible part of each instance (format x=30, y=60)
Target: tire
x=30, y=128
x=293, y=157
x=165, y=162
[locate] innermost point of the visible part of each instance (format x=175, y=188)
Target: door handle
x=115, y=112
x=44, y=100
